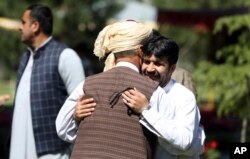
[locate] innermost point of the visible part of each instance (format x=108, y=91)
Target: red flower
x=213, y=144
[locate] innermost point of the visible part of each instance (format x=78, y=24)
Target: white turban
x=117, y=37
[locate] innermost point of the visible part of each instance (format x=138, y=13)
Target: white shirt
x=177, y=129
x=170, y=122
x=71, y=71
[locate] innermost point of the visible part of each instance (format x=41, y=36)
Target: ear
x=139, y=52
x=172, y=68
x=35, y=26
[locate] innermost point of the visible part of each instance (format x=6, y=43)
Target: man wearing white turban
x=120, y=44
x=119, y=37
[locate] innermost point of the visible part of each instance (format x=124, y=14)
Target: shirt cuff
x=150, y=115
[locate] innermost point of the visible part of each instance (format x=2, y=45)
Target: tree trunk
x=243, y=130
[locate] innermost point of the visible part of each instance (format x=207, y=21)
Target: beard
x=162, y=83
x=162, y=80
x=154, y=76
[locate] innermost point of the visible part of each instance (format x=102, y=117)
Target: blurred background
x=214, y=40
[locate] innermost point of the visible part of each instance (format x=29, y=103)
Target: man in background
x=44, y=80
x=184, y=77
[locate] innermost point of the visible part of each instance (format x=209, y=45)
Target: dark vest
x=110, y=133
x=47, y=95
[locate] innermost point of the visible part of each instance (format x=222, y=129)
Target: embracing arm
x=175, y=118
x=85, y=106
x=173, y=121
x=66, y=126
x=75, y=109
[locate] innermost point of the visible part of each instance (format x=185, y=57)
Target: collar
x=169, y=85
x=127, y=64
x=45, y=42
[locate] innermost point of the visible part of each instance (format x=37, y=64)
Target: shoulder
x=57, y=42
x=180, y=91
x=95, y=77
x=69, y=54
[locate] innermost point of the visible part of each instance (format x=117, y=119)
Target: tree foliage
x=194, y=42
x=81, y=22
x=11, y=48
x=191, y=4
x=228, y=77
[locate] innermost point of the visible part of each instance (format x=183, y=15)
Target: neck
x=132, y=60
x=164, y=83
x=38, y=41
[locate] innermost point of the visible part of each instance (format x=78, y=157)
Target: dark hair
x=161, y=47
x=43, y=15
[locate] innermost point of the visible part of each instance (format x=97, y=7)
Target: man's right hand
x=136, y=100
x=84, y=108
